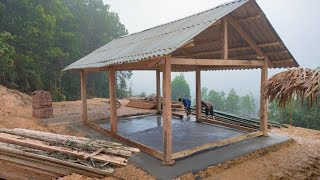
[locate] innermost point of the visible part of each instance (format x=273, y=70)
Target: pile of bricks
x=42, y=104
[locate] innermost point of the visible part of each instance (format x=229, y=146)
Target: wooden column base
x=170, y=163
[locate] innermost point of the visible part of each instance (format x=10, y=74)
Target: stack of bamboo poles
x=41, y=155
x=42, y=104
x=229, y=119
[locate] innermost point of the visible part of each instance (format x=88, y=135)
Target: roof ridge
x=220, y=5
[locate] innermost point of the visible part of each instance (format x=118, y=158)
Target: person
x=208, y=108
x=187, y=104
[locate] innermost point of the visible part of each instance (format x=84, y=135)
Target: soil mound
x=13, y=99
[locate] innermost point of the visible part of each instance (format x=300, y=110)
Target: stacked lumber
x=42, y=104
x=42, y=155
x=151, y=103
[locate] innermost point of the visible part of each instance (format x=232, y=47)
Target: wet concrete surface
x=186, y=133
x=202, y=160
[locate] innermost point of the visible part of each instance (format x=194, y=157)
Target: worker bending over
x=187, y=104
x=208, y=108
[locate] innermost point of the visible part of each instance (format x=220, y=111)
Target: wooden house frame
x=239, y=47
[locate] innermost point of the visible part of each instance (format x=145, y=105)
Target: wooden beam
x=215, y=144
x=216, y=62
x=225, y=42
x=249, y=18
x=158, y=91
x=283, y=61
x=233, y=126
x=167, y=126
x=238, y=48
x=144, y=148
x=198, y=95
x=245, y=36
x=189, y=44
x=263, y=99
x=84, y=109
x=113, y=108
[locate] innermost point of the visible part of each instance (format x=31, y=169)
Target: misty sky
x=296, y=22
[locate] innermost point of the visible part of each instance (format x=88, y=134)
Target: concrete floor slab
x=186, y=133
x=202, y=160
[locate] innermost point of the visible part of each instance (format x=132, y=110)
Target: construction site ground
x=297, y=159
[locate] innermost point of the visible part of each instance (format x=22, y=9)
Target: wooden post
x=158, y=91
x=263, y=99
x=167, y=126
x=112, y=94
x=225, y=37
x=198, y=95
x=84, y=110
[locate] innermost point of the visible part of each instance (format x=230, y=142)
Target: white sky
x=296, y=22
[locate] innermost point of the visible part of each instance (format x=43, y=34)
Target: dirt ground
x=298, y=159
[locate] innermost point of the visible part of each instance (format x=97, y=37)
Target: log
x=36, y=144
x=75, y=142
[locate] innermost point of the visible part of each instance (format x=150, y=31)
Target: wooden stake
x=291, y=113
x=113, y=109
x=158, y=91
x=84, y=110
x=225, y=48
x=198, y=95
x=167, y=126
x=263, y=100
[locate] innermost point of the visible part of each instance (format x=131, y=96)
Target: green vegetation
x=39, y=38
x=301, y=115
x=180, y=88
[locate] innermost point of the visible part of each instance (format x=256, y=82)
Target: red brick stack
x=42, y=104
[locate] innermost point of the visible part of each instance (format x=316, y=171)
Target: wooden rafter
x=225, y=39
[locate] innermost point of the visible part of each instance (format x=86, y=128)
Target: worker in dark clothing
x=187, y=104
x=208, y=108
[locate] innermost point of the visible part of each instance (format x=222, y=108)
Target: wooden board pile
x=42, y=104
x=28, y=154
x=151, y=103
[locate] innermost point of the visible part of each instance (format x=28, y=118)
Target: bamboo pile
x=303, y=83
x=42, y=155
x=42, y=104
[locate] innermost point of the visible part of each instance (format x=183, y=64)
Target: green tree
x=39, y=38
x=204, y=93
x=217, y=99
x=179, y=88
x=232, y=102
x=247, y=105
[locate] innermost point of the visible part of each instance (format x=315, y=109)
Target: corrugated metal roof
x=158, y=41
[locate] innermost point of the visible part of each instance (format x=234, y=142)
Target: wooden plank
x=113, y=108
x=215, y=144
x=233, y=126
x=94, y=153
x=144, y=148
x=158, y=91
x=36, y=144
x=49, y=163
x=225, y=42
x=198, y=95
x=216, y=62
x=263, y=100
x=84, y=109
x=167, y=126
